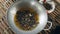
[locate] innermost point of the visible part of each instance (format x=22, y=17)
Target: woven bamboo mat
x=5, y=29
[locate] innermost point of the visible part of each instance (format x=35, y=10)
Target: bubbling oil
x=26, y=18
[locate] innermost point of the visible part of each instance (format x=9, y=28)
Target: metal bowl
x=30, y=3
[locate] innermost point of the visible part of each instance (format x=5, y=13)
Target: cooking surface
x=54, y=17
x=26, y=19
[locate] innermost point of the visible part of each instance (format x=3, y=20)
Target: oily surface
x=26, y=18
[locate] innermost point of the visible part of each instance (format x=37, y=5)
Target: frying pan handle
x=50, y=25
x=52, y=5
x=49, y=2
